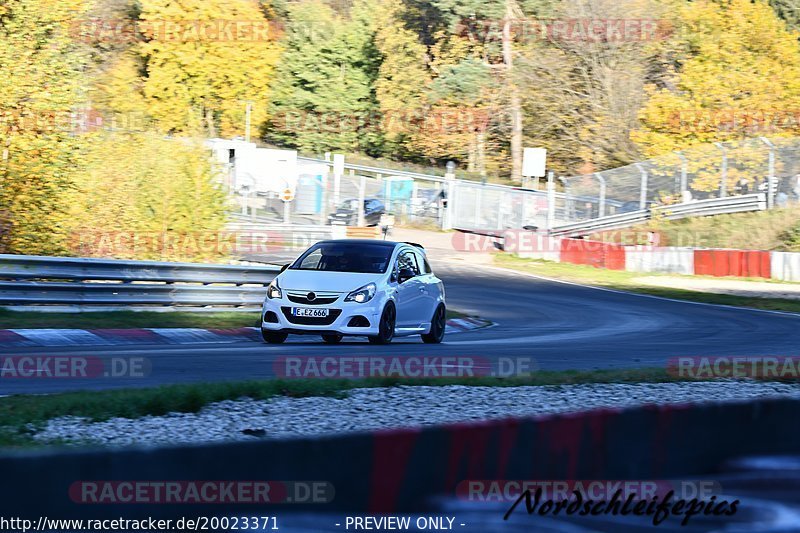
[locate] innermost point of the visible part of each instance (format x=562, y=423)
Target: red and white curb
x=457, y=325
x=113, y=337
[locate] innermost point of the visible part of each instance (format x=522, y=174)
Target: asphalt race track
x=558, y=325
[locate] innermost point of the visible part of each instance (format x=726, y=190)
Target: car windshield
x=345, y=257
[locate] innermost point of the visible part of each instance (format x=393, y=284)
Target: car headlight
x=362, y=295
x=273, y=291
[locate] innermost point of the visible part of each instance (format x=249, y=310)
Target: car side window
x=426, y=267
x=311, y=261
x=408, y=259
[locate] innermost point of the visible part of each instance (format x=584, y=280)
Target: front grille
x=333, y=314
x=319, y=300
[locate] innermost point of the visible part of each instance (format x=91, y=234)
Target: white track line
x=640, y=295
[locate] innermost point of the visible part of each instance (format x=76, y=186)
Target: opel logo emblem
x=311, y=296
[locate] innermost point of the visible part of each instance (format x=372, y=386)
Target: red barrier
x=595, y=253
x=740, y=263
x=615, y=256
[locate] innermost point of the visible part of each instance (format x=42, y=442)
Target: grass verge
x=20, y=415
x=135, y=319
x=774, y=229
x=626, y=281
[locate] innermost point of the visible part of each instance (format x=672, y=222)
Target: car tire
x=438, y=325
x=385, y=326
x=332, y=338
x=273, y=337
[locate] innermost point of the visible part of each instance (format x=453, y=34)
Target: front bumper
x=276, y=315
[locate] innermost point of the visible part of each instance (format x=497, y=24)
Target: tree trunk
x=212, y=130
x=481, y=141
x=514, y=100
x=472, y=155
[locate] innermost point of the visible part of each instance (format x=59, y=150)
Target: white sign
x=338, y=164
x=534, y=162
x=269, y=170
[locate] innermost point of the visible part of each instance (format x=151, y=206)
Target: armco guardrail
x=35, y=280
x=584, y=227
x=713, y=206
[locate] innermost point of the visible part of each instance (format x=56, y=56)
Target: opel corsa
x=377, y=289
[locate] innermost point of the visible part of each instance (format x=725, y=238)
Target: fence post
x=723, y=186
x=569, y=202
x=362, y=188
x=551, y=200
x=245, y=194
x=601, y=210
x=770, y=173
x=642, y=187
x=684, y=172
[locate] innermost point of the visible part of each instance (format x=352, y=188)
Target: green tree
x=324, y=90
x=788, y=10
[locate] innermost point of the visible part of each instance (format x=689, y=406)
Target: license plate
x=313, y=313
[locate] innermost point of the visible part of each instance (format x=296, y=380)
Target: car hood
x=315, y=280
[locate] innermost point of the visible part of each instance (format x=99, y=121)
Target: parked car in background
x=370, y=288
x=347, y=213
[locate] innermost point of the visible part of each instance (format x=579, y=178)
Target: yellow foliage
x=207, y=77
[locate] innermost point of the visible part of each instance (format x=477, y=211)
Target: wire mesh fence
x=711, y=171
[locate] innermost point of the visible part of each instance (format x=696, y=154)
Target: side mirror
x=404, y=275
x=284, y=267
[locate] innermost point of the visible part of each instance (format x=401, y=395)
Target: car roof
x=388, y=244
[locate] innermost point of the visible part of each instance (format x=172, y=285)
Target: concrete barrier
x=785, y=266
x=530, y=245
x=667, y=259
x=401, y=471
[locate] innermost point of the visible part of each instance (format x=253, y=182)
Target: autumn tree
x=43, y=84
x=143, y=196
x=732, y=57
x=402, y=80
x=204, y=60
x=737, y=68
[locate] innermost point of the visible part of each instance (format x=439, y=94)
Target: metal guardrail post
x=601, y=209
x=642, y=187
x=770, y=172
x=569, y=201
